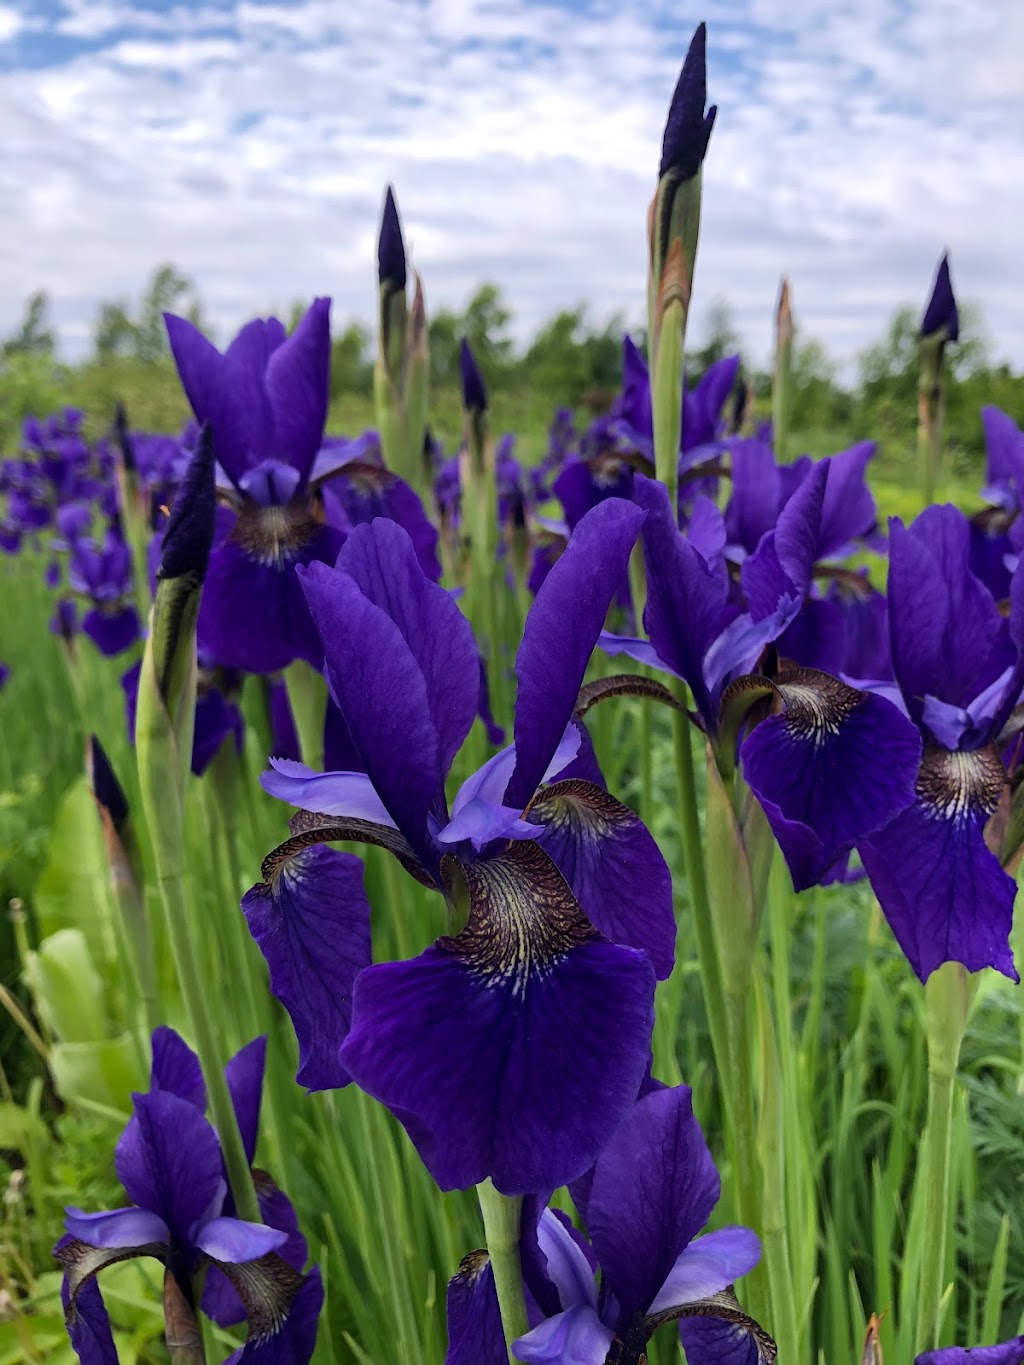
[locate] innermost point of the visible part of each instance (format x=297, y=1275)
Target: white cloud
x=250, y=143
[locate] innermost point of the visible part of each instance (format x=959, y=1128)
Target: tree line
x=571, y=360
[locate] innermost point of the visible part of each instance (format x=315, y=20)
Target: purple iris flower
x=170, y=1164
x=959, y=663
x=997, y=533
x=649, y=1194
x=512, y=1048
x=5, y=673
x=265, y=400
x=834, y=763
x=103, y=574
x=1006, y=1353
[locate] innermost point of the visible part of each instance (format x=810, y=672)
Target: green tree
x=351, y=361
x=34, y=335
x=144, y=337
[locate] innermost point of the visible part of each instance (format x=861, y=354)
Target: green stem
x=946, y=999
x=501, y=1231
x=193, y=990
x=696, y=877
x=307, y=697
x=737, y=1084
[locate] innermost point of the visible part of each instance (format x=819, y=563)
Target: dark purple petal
x=244, y=379
x=367, y=492
x=169, y=1161
x=702, y=405
x=781, y=565
x=707, y=1266
x=220, y=1299
x=687, y=599
x=1007, y=1353
x=1004, y=448
x=380, y=558
x=615, y=869
x=575, y=1337
x=516, y=1047
x=88, y=1325
x=654, y=1187
x=756, y=494
x=835, y=766
x=941, y=313
x=188, y=535
x=561, y=632
x=390, y=247
x=293, y=1342
x=244, y=1075
x=948, y=639
x=311, y=920
x=204, y=376
x=687, y=128
x=176, y=1068
x=635, y=403
x=475, y=1335
x=848, y=511
x=217, y=719
x=118, y=1228
x=474, y=391
x=253, y=613
x=112, y=632
x=298, y=385
x=942, y=890
x=710, y=1341
x=284, y=741
x=382, y=692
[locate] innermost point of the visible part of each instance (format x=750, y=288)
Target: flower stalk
x=501, y=1215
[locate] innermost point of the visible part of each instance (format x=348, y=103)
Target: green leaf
x=71, y=891
x=67, y=988
x=103, y=1072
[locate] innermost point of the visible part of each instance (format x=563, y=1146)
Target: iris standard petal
x=942, y=890
x=781, y=565
x=202, y=371
x=833, y=767
x=518, y=1045
x=848, y=512
x=561, y=632
x=175, y=1067
x=244, y=1075
x=566, y=1265
x=616, y=870
x=381, y=560
x=654, y=1187
x=297, y=382
x=707, y=1266
x=756, y=494
x=169, y=1161
x=311, y=920
x=383, y=695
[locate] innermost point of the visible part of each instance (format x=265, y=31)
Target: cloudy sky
x=249, y=141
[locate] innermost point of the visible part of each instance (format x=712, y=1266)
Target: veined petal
x=297, y=383
x=480, y=821
x=943, y=891
x=201, y=369
x=1006, y=1353
x=253, y=614
x=781, y=565
x=311, y=920
x=82, y=1263
x=575, y=1337
x=707, y=1266
x=616, y=870
x=88, y=1325
x=642, y=651
x=175, y=1067
x=718, y=1341
x=475, y=1335
x=220, y=1301
x=560, y=635
x=244, y=1075
x=233, y=1240
x=382, y=693
x=293, y=1340
x=848, y=510
x=833, y=767
x=118, y=1228
x=654, y=1187
x=169, y=1161
x=516, y=1047
x=381, y=560
x=687, y=599
x=344, y=795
